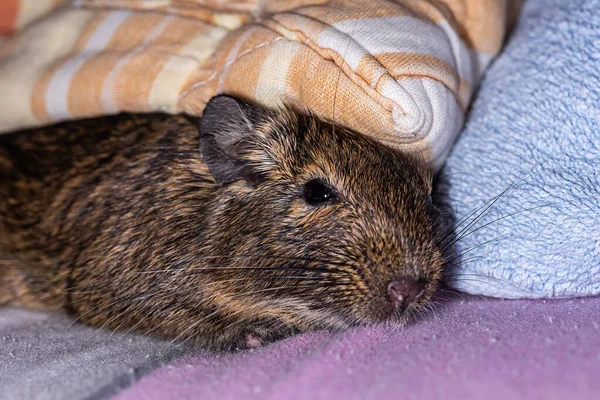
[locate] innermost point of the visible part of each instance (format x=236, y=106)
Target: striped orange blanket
x=401, y=71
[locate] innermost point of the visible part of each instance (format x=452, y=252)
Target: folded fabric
x=401, y=71
x=534, y=130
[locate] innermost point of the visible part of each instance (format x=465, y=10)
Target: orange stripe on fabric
x=135, y=80
x=9, y=10
x=241, y=77
x=423, y=66
x=133, y=31
x=236, y=71
x=409, y=64
x=481, y=24
x=318, y=84
x=38, y=94
x=87, y=83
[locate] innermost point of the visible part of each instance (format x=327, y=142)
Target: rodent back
x=63, y=185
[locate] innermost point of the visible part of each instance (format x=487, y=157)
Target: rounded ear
x=227, y=127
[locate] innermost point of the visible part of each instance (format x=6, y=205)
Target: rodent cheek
x=314, y=216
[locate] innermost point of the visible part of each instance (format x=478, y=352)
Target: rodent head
x=314, y=226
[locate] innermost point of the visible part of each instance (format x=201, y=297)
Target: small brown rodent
x=259, y=225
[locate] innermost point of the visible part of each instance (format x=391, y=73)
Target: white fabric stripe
x=227, y=21
x=483, y=61
x=430, y=112
x=371, y=36
x=465, y=57
x=386, y=35
x=39, y=46
x=170, y=80
x=448, y=118
x=107, y=97
x=412, y=111
x=58, y=89
x=31, y=9
x=143, y=4
x=272, y=81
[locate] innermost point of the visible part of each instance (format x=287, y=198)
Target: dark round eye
x=317, y=192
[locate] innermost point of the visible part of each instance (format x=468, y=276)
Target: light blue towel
x=536, y=119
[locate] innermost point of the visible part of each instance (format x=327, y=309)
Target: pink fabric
x=470, y=349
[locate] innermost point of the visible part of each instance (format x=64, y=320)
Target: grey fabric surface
x=40, y=358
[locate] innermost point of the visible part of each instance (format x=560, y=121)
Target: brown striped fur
x=118, y=221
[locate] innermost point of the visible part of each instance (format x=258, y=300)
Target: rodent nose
x=404, y=292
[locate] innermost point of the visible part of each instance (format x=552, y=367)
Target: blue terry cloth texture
x=536, y=125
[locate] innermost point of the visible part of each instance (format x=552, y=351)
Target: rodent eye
x=317, y=192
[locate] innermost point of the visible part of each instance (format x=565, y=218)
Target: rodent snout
x=404, y=292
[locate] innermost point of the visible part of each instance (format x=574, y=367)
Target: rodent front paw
x=253, y=341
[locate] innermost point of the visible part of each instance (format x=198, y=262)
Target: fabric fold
x=402, y=72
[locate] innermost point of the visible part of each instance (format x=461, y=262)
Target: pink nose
x=405, y=292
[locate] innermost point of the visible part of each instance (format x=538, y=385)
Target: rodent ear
x=226, y=129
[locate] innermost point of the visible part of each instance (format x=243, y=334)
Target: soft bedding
x=535, y=128
x=47, y=356
x=401, y=71
x=471, y=348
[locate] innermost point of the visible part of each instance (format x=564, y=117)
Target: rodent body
x=262, y=225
